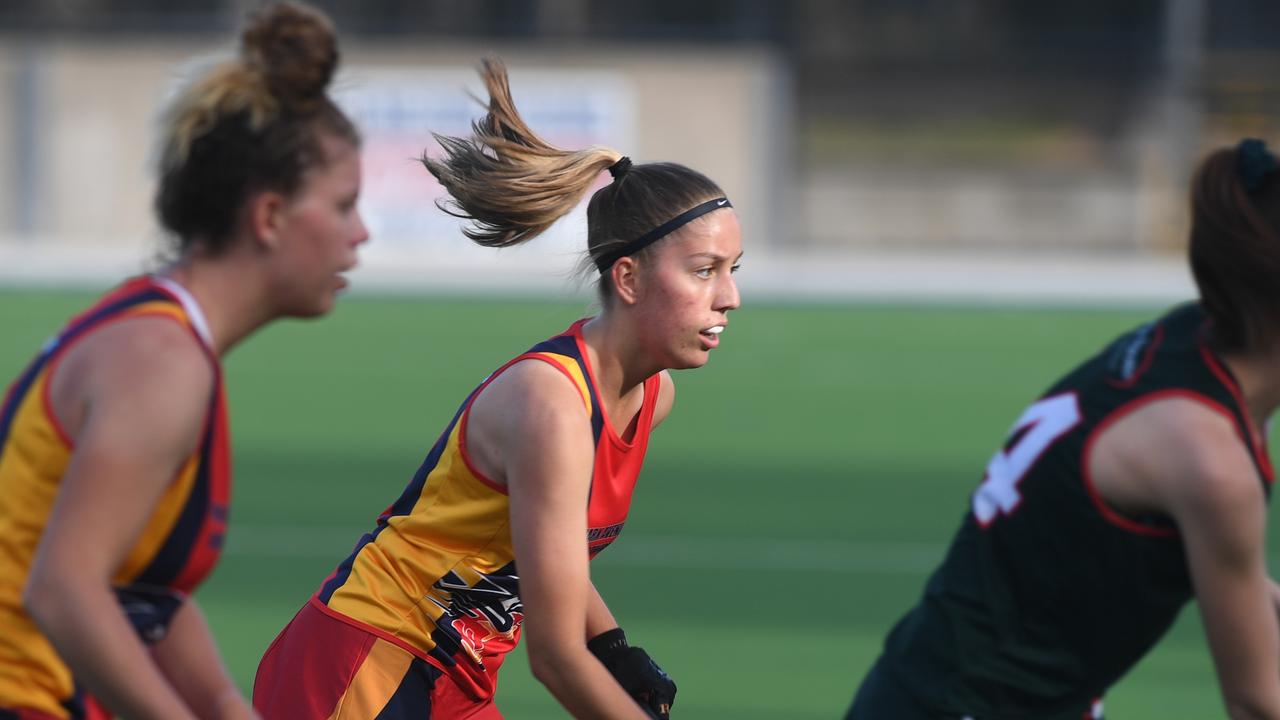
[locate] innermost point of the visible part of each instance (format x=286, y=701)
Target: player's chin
x=690, y=360
x=317, y=306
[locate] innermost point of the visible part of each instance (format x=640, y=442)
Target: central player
x=537, y=468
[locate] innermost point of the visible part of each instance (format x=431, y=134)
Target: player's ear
x=264, y=212
x=626, y=279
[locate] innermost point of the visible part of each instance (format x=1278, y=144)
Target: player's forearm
x=1255, y=706
x=599, y=618
x=234, y=706
x=84, y=622
x=582, y=685
x=189, y=658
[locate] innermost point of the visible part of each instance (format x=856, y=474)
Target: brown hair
x=251, y=124
x=512, y=185
x=1235, y=252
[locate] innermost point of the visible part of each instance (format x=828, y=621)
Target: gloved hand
x=635, y=671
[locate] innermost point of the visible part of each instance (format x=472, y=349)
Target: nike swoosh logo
x=721, y=202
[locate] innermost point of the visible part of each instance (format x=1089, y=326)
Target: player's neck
x=613, y=358
x=1258, y=374
x=231, y=302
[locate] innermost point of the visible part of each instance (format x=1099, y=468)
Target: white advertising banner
x=397, y=111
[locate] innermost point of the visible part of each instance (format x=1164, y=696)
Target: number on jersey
x=1040, y=425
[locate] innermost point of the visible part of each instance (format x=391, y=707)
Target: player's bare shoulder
x=531, y=402
x=1169, y=449
x=156, y=349
x=530, y=390
x=151, y=362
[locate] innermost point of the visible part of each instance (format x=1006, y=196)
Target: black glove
x=635, y=671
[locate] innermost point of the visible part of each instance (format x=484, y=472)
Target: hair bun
x=1254, y=162
x=294, y=49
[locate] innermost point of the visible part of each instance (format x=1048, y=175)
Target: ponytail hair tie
x=1254, y=163
x=620, y=168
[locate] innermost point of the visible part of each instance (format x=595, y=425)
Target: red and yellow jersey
x=176, y=550
x=438, y=576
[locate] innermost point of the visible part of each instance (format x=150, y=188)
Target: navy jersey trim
x=17, y=392
x=171, y=559
x=402, y=506
x=567, y=345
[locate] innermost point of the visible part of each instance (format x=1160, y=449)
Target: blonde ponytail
x=510, y=183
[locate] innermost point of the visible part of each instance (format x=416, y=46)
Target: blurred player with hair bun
x=114, y=458
x=1137, y=482
x=537, y=468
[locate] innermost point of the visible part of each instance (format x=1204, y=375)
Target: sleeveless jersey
x=438, y=576
x=1048, y=595
x=180, y=543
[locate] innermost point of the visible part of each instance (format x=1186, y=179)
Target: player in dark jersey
x=114, y=456
x=1134, y=484
x=536, y=469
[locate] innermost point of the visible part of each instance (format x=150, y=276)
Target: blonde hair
x=512, y=185
x=250, y=124
x=509, y=182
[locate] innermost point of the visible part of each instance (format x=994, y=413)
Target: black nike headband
x=606, y=261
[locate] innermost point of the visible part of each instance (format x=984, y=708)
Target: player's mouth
x=711, y=336
x=340, y=277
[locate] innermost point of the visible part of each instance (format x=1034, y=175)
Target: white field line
x=638, y=550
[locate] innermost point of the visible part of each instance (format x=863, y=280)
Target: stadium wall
x=82, y=121
x=80, y=126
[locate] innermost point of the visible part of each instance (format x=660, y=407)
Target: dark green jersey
x=1047, y=595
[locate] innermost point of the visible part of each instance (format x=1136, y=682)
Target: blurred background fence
x=844, y=130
